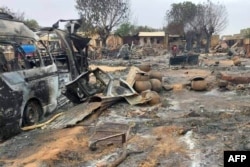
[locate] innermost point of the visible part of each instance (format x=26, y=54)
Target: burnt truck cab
x=29, y=84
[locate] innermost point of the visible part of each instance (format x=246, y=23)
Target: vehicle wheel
x=32, y=112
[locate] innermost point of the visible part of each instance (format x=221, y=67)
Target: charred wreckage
x=37, y=77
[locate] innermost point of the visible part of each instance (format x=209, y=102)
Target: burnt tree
x=197, y=20
x=214, y=21
x=102, y=16
x=179, y=17
x=16, y=15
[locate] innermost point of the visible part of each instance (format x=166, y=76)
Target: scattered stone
x=222, y=83
x=193, y=114
x=247, y=146
x=237, y=62
x=178, y=87
x=202, y=108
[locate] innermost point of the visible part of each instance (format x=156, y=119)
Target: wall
x=151, y=41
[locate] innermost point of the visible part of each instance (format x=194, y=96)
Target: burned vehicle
x=38, y=76
x=70, y=53
x=185, y=59
x=28, y=80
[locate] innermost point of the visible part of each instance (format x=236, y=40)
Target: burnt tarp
x=79, y=42
x=184, y=60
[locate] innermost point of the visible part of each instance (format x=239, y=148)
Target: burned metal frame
x=80, y=89
x=47, y=86
x=92, y=145
x=75, y=47
x=184, y=60
x=109, y=132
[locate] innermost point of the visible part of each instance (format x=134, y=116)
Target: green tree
x=180, y=14
x=178, y=19
x=144, y=28
x=125, y=29
x=175, y=28
x=31, y=23
x=129, y=29
x=102, y=16
x=246, y=32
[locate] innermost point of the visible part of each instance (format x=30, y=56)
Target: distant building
x=112, y=42
x=131, y=40
x=152, y=38
x=232, y=39
x=175, y=39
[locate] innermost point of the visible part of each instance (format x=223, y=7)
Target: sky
x=143, y=12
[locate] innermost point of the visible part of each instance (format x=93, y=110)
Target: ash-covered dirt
x=188, y=129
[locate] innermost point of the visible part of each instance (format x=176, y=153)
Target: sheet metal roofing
x=152, y=34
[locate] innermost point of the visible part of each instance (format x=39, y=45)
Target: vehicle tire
x=32, y=113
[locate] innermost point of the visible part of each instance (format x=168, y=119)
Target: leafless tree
x=198, y=20
x=215, y=20
x=195, y=26
x=17, y=15
x=181, y=20
x=102, y=16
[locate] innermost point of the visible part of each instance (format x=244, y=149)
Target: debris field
x=181, y=115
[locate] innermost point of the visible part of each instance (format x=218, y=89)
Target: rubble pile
x=125, y=104
x=150, y=114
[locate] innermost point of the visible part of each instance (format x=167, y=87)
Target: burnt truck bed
x=184, y=60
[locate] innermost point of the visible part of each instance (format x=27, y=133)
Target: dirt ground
x=187, y=129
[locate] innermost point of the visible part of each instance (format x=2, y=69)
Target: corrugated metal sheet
x=74, y=115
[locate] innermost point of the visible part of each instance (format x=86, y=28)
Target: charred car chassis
x=36, y=77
